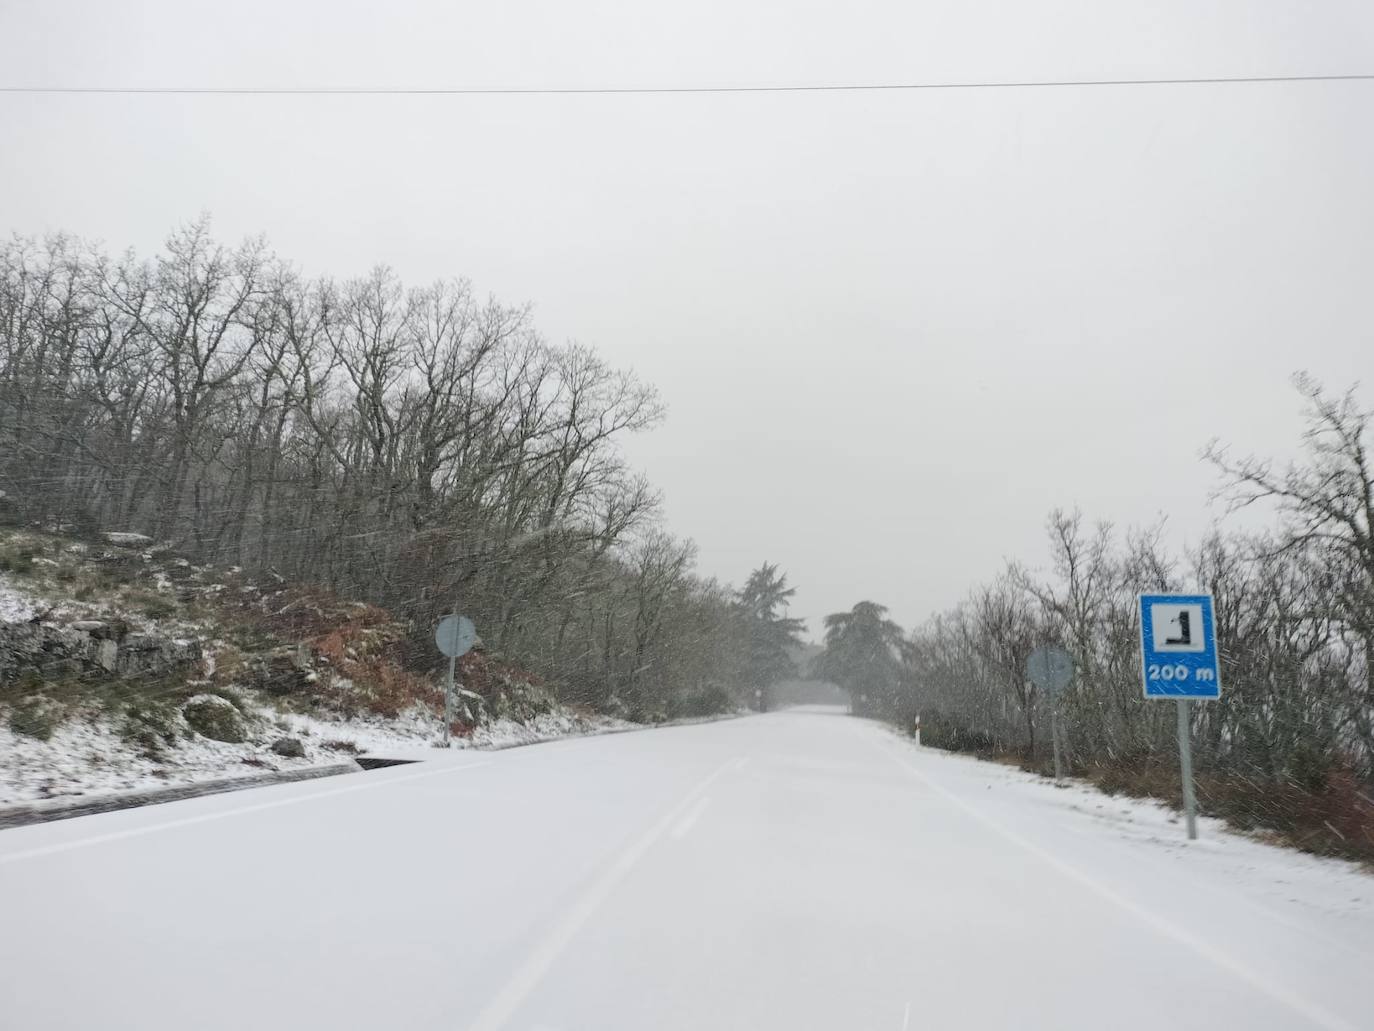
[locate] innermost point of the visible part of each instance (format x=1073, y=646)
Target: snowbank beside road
x=1078, y=828
x=414, y=734
x=89, y=757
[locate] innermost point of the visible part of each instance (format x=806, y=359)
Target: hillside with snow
x=125, y=667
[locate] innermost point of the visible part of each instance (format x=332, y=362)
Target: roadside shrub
x=36, y=717
x=709, y=701
x=216, y=718
x=151, y=604
x=388, y=690
x=152, y=729
x=1310, y=768
x=651, y=714
x=940, y=731
x=1326, y=809
x=1336, y=819
x=1138, y=779
x=18, y=558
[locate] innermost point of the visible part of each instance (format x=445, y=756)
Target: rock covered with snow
x=90, y=646
x=214, y=717
x=15, y=605
x=127, y=540
x=153, y=654
x=289, y=747
x=283, y=671
x=28, y=648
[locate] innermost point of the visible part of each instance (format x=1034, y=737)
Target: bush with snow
x=214, y=717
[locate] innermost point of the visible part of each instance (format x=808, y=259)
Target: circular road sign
x=455, y=635
x=1050, y=668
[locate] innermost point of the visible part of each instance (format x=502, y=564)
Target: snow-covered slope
x=123, y=667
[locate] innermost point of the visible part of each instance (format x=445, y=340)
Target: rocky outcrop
x=283, y=671
x=147, y=654
x=89, y=646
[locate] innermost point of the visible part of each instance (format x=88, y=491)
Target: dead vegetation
x=1332, y=815
x=289, y=646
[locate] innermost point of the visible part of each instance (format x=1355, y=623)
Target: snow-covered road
x=791, y=871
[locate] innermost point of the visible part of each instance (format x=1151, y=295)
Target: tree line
x=422, y=448
x=1294, y=619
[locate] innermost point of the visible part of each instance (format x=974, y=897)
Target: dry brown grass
x=1329, y=815
x=1335, y=818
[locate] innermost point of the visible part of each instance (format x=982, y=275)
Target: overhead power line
x=856, y=87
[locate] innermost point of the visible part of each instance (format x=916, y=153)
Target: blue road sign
x=1178, y=646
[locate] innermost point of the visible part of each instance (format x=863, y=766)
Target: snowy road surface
x=789, y=871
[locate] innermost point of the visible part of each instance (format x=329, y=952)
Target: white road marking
x=906, y=1017
x=527, y=976
x=1310, y=1010
x=137, y=832
x=685, y=824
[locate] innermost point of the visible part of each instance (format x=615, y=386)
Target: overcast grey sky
x=893, y=329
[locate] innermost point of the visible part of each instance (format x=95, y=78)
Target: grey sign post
x=455, y=635
x=1050, y=668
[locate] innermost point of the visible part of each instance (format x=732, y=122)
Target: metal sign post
x=1178, y=653
x=455, y=635
x=448, y=698
x=1054, y=737
x=1050, y=668
x=1185, y=762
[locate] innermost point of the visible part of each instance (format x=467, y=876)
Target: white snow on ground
x=1079, y=816
x=15, y=605
x=507, y=733
x=789, y=871
x=415, y=734
x=410, y=736
x=87, y=757
x=18, y=605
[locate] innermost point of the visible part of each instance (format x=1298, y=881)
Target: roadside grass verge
x=146, y=710
x=1331, y=815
